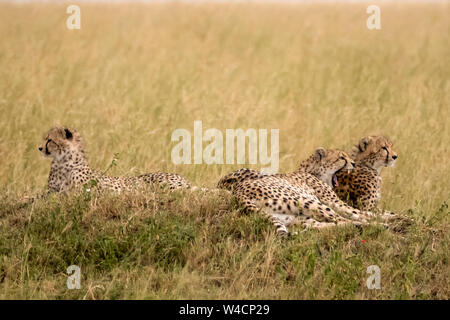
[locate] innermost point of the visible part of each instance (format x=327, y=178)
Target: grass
x=133, y=74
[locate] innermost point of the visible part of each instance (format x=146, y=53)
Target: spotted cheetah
x=361, y=188
x=303, y=197
x=70, y=168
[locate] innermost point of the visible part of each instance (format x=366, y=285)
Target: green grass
x=135, y=73
x=186, y=245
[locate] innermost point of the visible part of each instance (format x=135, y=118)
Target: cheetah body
x=361, y=188
x=303, y=197
x=70, y=168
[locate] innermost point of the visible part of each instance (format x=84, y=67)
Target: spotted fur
x=302, y=197
x=361, y=188
x=70, y=168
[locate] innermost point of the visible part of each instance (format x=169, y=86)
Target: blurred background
x=137, y=71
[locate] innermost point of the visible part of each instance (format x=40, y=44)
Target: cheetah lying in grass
x=304, y=197
x=361, y=188
x=70, y=168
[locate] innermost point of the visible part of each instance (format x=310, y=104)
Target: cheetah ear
x=320, y=153
x=68, y=134
x=362, y=146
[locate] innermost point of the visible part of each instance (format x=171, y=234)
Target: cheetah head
x=325, y=164
x=375, y=151
x=59, y=141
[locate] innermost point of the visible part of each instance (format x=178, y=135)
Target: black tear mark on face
x=387, y=153
x=69, y=134
x=46, y=147
x=344, y=165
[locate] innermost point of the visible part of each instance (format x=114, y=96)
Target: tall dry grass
x=135, y=73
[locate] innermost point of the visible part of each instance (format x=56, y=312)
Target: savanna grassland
x=135, y=73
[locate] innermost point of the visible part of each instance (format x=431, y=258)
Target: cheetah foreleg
x=340, y=206
x=310, y=223
x=313, y=208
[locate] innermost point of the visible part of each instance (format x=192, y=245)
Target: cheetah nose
x=40, y=148
x=394, y=156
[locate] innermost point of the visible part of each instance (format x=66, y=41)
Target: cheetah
x=303, y=197
x=70, y=168
x=361, y=188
